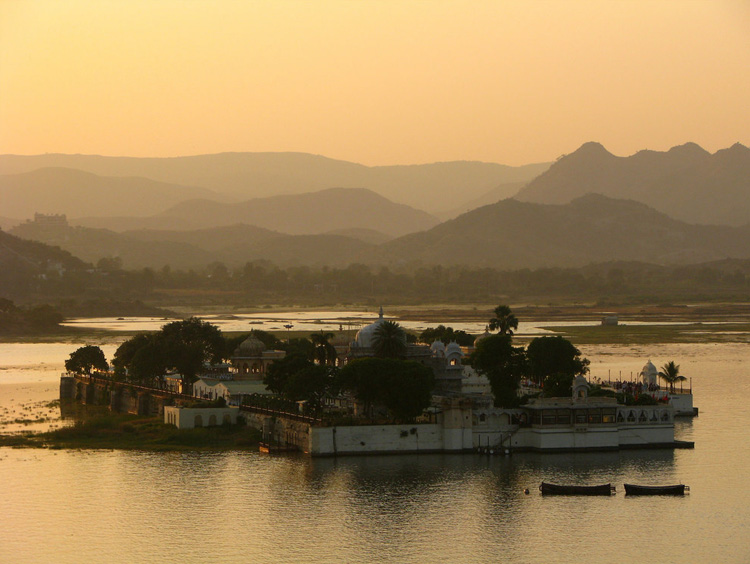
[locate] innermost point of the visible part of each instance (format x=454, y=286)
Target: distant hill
x=686, y=182
x=22, y=261
x=77, y=193
x=430, y=187
x=370, y=236
x=213, y=240
x=299, y=250
x=307, y=214
x=94, y=244
x=512, y=234
x=7, y=223
x=502, y=192
x=233, y=245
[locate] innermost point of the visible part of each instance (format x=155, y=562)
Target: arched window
x=212, y=420
x=198, y=421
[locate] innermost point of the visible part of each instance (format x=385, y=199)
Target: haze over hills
x=94, y=244
x=686, y=182
x=431, y=187
x=232, y=245
x=297, y=214
x=505, y=235
x=78, y=193
x=593, y=228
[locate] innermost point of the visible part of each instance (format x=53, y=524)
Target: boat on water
x=269, y=448
x=557, y=489
x=677, y=489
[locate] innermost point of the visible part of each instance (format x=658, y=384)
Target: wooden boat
x=678, y=489
x=269, y=448
x=557, y=489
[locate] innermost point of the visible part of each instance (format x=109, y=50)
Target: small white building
x=231, y=390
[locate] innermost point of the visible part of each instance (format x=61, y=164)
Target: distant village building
x=51, y=221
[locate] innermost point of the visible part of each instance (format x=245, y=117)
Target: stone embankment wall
x=118, y=396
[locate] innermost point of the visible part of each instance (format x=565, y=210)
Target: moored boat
x=269, y=448
x=677, y=489
x=557, y=489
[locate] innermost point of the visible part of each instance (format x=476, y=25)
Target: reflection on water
x=106, y=506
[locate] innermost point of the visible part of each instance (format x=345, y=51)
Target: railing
x=285, y=414
x=150, y=389
x=630, y=387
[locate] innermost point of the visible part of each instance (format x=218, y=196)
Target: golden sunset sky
x=389, y=82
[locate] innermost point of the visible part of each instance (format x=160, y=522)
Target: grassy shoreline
x=130, y=432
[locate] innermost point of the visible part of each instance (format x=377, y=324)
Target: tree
x=555, y=362
x=404, y=387
x=149, y=363
x=323, y=352
x=180, y=346
x=188, y=344
x=85, y=359
x=670, y=373
x=446, y=335
x=298, y=378
x=126, y=351
x=504, y=320
x=389, y=340
x=503, y=365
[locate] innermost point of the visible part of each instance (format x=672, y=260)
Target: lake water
x=72, y=506
x=316, y=321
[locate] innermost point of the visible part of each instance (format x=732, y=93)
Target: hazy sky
x=389, y=82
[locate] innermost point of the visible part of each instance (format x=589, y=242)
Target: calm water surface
x=72, y=506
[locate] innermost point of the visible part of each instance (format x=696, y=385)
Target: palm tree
x=323, y=352
x=670, y=372
x=504, y=320
x=389, y=340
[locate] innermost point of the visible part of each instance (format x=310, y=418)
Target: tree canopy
x=555, y=362
x=180, y=346
x=323, y=352
x=404, y=387
x=503, y=364
x=298, y=378
x=389, y=340
x=504, y=321
x=85, y=359
x=446, y=335
x=670, y=373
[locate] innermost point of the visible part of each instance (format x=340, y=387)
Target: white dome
x=438, y=348
x=453, y=348
x=649, y=369
x=482, y=336
x=365, y=335
x=649, y=374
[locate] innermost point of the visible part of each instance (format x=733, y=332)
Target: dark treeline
x=261, y=282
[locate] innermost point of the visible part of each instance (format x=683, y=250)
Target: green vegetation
x=298, y=378
x=446, y=335
x=180, y=346
x=503, y=364
x=389, y=340
x=117, y=431
x=504, y=321
x=552, y=362
x=85, y=359
x=28, y=320
x=670, y=373
x=403, y=387
x=555, y=362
